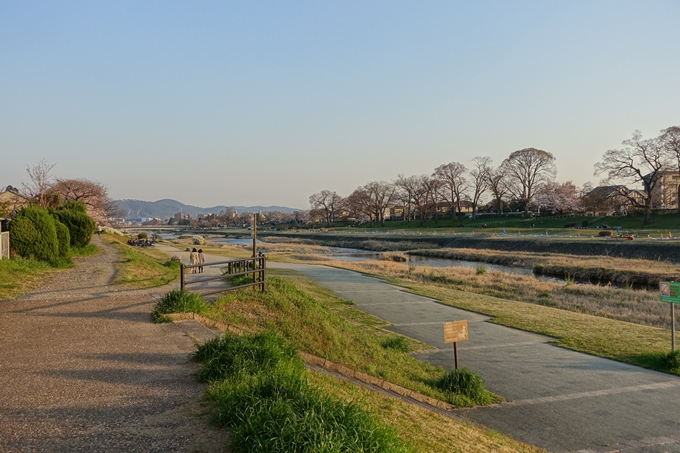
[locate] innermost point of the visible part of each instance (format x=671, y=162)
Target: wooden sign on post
x=670, y=292
x=454, y=332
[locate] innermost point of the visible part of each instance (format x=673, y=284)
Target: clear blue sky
x=244, y=103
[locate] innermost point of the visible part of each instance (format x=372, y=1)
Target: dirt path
x=84, y=369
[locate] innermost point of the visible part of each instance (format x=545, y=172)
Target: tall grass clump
x=480, y=269
x=396, y=343
x=465, y=388
x=177, y=301
x=260, y=391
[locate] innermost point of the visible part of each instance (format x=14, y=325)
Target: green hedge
x=33, y=234
x=80, y=226
x=63, y=239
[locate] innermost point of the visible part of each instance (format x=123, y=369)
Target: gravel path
x=85, y=370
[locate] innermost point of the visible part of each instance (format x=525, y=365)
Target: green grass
x=260, y=391
x=142, y=267
x=20, y=275
x=177, y=301
x=467, y=386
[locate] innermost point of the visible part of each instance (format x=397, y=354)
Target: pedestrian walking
x=193, y=259
x=201, y=260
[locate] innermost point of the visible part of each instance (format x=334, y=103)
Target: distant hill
x=165, y=209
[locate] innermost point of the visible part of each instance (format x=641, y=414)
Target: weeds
x=177, y=301
x=261, y=393
x=465, y=387
x=481, y=269
x=395, y=343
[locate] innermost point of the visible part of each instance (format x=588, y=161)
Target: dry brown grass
x=637, y=306
x=619, y=270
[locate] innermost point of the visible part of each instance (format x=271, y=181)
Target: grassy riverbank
x=142, y=267
x=310, y=318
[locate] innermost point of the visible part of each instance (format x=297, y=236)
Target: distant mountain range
x=165, y=209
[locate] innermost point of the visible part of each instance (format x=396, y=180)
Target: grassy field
x=19, y=276
x=142, y=267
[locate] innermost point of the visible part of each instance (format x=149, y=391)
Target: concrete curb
x=324, y=363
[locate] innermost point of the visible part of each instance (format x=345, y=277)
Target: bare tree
x=381, y=194
x=407, y=187
x=327, y=201
x=497, y=182
x=359, y=205
x=452, y=177
x=480, y=180
x=40, y=182
x=670, y=140
x=640, y=161
x=527, y=170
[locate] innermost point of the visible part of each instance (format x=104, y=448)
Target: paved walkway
x=558, y=399
x=83, y=369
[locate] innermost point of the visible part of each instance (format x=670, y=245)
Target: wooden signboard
x=455, y=331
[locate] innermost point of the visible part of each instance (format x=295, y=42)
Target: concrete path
x=83, y=369
x=558, y=399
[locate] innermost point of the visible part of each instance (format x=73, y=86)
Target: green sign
x=670, y=292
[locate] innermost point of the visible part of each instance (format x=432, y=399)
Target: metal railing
x=257, y=266
x=4, y=245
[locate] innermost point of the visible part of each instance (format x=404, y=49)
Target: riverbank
x=651, y=249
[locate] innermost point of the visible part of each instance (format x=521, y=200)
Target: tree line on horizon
x=524, y=180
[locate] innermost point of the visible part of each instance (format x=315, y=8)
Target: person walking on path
x=201, y=260
x=193, y=259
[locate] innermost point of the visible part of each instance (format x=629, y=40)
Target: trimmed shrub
x=142, y=236
x=63, y=238
x=198, y=240
x=80, y=226
x=570, y=225
x=604, y=233
x=585, y=222
x=33, y=234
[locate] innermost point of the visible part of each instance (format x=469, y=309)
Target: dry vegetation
x=595, y=268
x=637, y=306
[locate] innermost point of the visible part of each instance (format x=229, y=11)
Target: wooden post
x=181, y=276
x=455, y=354
x=254, y=246
x=673, y=327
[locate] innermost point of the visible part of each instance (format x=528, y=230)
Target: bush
x=63, y=238
x=33, y=234
x=465, y=386
x=585, y=222
x=672, y=361
x=197, y=240
x=570, y=225
x=80, y=226
x=604, y=233
x=177, y=301
x=480, y=269
x=142, y=236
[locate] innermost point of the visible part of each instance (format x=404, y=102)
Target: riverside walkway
x=557, y=399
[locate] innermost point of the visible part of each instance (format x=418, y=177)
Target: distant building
x=665, y=192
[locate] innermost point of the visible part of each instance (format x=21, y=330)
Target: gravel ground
x=85, y=370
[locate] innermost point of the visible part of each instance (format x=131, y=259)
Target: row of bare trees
x=525, y=179
x=523, y=175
